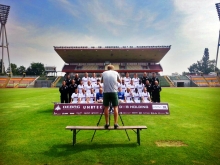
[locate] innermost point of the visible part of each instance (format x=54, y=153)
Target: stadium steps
x=6, y=82
x=169, y=81
x=31, y=85
x=56, y=81
x=206, y=81
x=16, y=86
x=163, y=82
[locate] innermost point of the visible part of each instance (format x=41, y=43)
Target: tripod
x=110, y=112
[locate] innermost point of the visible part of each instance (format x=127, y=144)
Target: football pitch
x=31, y=134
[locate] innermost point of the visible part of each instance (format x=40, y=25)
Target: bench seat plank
x=102, y=127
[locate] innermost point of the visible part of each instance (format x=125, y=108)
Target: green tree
x=21, y=70
x=204, y=65
x=35, y=69
x=13, y=69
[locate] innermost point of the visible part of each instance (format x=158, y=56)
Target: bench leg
x=138, y=137
x=74, y=137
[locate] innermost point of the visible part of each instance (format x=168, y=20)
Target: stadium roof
x=84, y=54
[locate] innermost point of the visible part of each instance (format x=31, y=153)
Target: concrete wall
x=43, y=83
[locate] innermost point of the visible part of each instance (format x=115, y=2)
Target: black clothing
x=144, y=79
x=68, y=81
x=71, y=89
x=156, y=93
x=64, y=94
x=153, y=79
x=149, y=89
x=77, y=80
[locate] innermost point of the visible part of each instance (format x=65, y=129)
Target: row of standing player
x=92, y=85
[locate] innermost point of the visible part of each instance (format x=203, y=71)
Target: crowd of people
x=90, y=89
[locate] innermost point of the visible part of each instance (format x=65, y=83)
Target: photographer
x=109, y=80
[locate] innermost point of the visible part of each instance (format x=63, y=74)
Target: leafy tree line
x=203, y=66
x=33, y=69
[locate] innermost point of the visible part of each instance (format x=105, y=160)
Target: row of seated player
x=123, y=97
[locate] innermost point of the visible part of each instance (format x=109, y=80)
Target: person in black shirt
x=144, y=78
x=77, y=79
x=68, y=80
x=156, y=92
x=64, y=93
x=71, y=89
x=154, y=78
x=149, y=87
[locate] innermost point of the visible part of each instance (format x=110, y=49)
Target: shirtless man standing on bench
x=110, y=79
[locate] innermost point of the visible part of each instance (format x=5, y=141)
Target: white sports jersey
x=135, y=80
x=82, y=97
x=93, y=80
x=123, y=87
x=88, y=88
x=140, y=87
x=132, y=87
x=136, y=97
x=128, y=97
x=75, y=97
x=145, y=96
x=127, y=80
x=92, y=97
x=85, y=80
x=96, y=87
x=80, y=87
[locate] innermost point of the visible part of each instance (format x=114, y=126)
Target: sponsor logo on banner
x=58, y=108
x=160, y=107
x=92, y=107
x=71, y=106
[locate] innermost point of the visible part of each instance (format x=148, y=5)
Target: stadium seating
x=89, y=67
x=3, y=81
x=199, y=80
x=163, y=82
x=212, y=80
x=13, y=82
x=25, y=82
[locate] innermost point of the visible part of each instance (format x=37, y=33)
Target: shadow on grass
x=46, y=111
x=60, y=150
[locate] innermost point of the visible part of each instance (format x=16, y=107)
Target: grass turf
x=31, y=134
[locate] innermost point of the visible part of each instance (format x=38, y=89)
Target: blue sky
x=35, y=26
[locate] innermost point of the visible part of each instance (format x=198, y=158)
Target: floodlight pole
x=217, y=52
x=4, y=11
x=217, y=5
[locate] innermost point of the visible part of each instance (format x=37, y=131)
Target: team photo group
x=87, y=89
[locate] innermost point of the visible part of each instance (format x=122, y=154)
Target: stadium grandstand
x=139, y=59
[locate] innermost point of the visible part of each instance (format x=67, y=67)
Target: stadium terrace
x=82, y=59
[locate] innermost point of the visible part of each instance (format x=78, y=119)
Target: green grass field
x=31, y=134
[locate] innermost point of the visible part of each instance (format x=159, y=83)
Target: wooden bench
x=74, y=128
